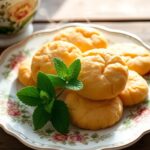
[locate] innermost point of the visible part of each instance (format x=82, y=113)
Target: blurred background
x=94, y=10
x=126, y=15
x=129, y=15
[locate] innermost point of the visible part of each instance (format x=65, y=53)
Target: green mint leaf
x=74, y=85
x=74, y=69
x=49, y=106
x=60, y=117
x=29, y=96
x=45, y=84
x=56, y=81
x=61, y=68
x=44, y=96
x=40, y=117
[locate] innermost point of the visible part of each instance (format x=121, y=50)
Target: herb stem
x=58, y=95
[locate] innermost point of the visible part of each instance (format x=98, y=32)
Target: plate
x=16, y=117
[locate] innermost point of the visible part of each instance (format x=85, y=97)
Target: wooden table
x=130, y=15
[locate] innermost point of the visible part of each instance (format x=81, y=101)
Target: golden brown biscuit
x=93, y=115
x=137, y=58
x=43, y=59
x=24, y=73
x=136, y=90
x=83, y=37
x=103, y=74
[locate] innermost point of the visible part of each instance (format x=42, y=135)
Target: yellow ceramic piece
x=83, y=37
x=93, y=115
x=136, y=57
x=103, y=74
x=24, y=73
x=136, y=90
x=43, y=59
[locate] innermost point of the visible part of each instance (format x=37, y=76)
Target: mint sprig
x=29, y=96
x=69, y=75
x=74, y=70
x=60, y=117
x=74, y=85
x=40, y=117
x=56, y=81
x=45, y=84
x=45, y=99
x=60, y=68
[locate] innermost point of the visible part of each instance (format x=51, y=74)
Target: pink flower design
x=13, y=109
x=142, y=112
x=59, y=137
x=69, y=138
x=137, y=119
x=76, y=137
x=14, y=62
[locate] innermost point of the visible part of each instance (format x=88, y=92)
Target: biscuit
x=136, y=57
x=93, y=115
x=24, y=73
x=83, y=37
x=43, y=59
x=136, y=90
x=103, y=74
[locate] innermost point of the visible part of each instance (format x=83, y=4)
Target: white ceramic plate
x=15, y=117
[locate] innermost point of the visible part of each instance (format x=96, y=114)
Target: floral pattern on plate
x=16, y=117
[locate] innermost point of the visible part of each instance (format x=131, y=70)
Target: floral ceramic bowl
x=15, y=14
x=15, y=117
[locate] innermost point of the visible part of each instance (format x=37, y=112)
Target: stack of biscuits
x=111, y=74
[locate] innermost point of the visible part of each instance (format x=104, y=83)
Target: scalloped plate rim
x=114, y=31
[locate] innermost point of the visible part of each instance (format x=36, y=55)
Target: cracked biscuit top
x=103, y=74
x=43, y=59
x=83, y=37
x=136, y=57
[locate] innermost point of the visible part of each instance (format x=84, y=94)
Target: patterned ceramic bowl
x=16, y=14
